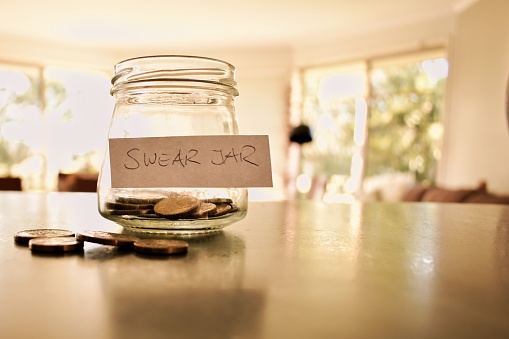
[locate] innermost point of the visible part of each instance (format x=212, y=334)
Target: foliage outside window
x=405, y=128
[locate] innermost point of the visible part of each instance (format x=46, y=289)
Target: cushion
x=415, y=193
x=483, y=197
x=437, y=194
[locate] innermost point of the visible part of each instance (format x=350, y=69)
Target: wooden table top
x=288, y=270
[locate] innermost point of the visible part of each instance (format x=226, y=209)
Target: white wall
x=391, y=40
x=476, y=145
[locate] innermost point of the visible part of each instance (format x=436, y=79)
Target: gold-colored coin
x=55, y=245
x=161, y=246
x=130, y=212
x=206, y=209
x=126, y=206
x=221, y=209
x=123, y=241
x=177, y=206
x=219, y=200
x=139, y=198
x=23, y=237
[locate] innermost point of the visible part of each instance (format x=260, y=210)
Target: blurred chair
x=10, y=184
x=77, y=182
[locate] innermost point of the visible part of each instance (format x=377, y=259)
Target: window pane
x=405, y=126
x=21, y=125
x=396, y=144
x=78, y=110
x=333, y=104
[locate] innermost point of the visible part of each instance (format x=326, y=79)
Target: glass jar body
x=167, y=108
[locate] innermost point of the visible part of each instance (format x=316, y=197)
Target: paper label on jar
x=191, y=161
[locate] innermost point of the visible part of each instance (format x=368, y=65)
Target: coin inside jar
x=139, y=198
x=222, y=209
x=161, y=246
x=219, y=200
x=107, y=238
x=177, y=206
x=23, y=237
x=55, y=245
x=113, y=205
x=206, y=209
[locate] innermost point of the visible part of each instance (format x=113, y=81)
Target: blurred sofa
x=434, y=193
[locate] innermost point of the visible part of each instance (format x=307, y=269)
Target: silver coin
x=55, y=245
x=23, y=237
x=161, y=246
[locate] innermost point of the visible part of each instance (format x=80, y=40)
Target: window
x=369, y=119
x=52, y=120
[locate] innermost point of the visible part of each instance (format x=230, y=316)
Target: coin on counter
x=161, y=246
x=177, y=206
x=23, y=237
x=55, y=245
x=123, y=241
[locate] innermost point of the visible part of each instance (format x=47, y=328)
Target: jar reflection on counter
x=163, y=96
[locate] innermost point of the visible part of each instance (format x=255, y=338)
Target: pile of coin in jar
x=174, y=207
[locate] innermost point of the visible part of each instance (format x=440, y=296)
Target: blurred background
x=394, y=93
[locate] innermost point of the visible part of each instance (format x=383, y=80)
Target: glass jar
x=166, y=96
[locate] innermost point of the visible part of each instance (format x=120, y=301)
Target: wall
x=476, y=144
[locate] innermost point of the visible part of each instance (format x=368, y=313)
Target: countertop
x=290, y=269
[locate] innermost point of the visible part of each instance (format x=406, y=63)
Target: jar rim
x=171, y=68
x=176, y=56
x=174, y=85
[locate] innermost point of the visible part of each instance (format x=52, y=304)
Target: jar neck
x=173, y=96
x=174, y=73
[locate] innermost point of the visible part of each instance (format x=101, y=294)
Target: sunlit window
x=405, y=125
x=78, y=109
x=369, y=119
x=52, y=120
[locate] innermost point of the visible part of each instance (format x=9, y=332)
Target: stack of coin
x=49, y=240
x=223, y=206
x=24, y=237
x=133, y=205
